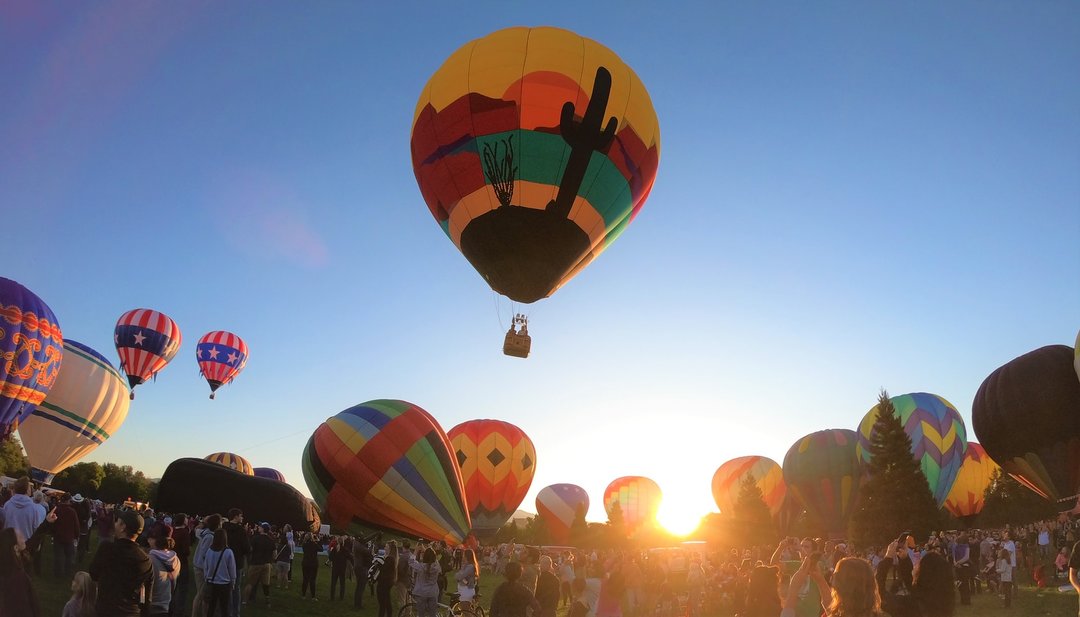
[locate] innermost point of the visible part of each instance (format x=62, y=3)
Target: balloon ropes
x=33, y=345
x=534, y=148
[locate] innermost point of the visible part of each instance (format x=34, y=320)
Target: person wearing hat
x=122, y=571
x=82, y=509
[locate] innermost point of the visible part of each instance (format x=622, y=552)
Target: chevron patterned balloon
x=938, y=437
x=966, y=497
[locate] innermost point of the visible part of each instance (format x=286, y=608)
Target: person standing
x=17, y=597
x=1005, y=577
x=282, y=562
x=386, y=580
x=20, y=512
x=961, y=556
x=219, y=563
x=82, y=509
x=426, y=588
x=362, y=559
x=262, y=562
x=181, y=536
x=340, y=558
x=547, y=589
x=511, y=598
x=166, y=570
x=204, y=535
x=240, y=545
x=310, y=565
x=122, y=571
x=65, y=535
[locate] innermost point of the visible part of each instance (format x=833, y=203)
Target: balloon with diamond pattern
x=558, y=505
x=31, y=350
x=221, y=356
x=497, y=461
x=938, y=437
x=146, y=341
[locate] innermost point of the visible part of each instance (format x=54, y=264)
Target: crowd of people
x=148, y=563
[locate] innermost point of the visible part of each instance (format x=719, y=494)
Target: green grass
x=53, y=593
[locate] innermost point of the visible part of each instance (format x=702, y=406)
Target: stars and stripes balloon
x=637, y=497
x=221, y=355
x=766, y=473
x=232, y=461
x=86, y=405
x=146, y=341
x=387, y=464
x=31, y=350
x=558, y=505
x=497, y=461
x=938, y=437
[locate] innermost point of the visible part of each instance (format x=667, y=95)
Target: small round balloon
x=32, y=347
x=232, y=461
x=267, y=472
x=221, y=356
x=146, y=341
x=558, y=505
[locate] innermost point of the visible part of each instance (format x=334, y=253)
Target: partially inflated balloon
x=1076, y=355
x=497, y=461
x=266, y=472
x=558, y=505
x=387, y=464
x=31, y=349
x=232, y=461
x=938, y=437
x=221, y=356
x=85, y=407
x=637, y=497
x=534, y=148
x=967, y=495
x=767, y=474
x=1027, y=416
x=824, y=472
x=146, y=341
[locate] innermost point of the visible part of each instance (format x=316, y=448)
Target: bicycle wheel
x=409, y=610
x=468, y=609
x=442, y=610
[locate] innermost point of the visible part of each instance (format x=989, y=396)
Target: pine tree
x=12, y=460
x=1009, y=502
x=579, y=529
x=616, y=527
x=896, y=497
x=752, y=515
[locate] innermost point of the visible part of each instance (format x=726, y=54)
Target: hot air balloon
x=938, y=437
x=266, y=472
x=32, y=347
x=1027, y=417
x=221, y=355
x=1076, y=355
x=232, y=461
x=534, y=148
x=146, y=341
x=767, y=474
x=638, y=498
x=966, y=497
x=497, y=461
x=824, y=472
x=558, y=505
x=86, y=405
x=387, y=465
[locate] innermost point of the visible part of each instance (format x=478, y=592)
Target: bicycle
x=456, y=608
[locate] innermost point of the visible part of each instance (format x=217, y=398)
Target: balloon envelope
x=232, y=461
x=558, y=505
x=221, y=356
x=824, y=472
x=146, y=341
x=938, y=437
x=202, y=487
x=497, y=462
x=767, y=474
x=33, y=345
x=1027, y=417
x=86, y=405
x=534, y=148
x=266, y=472
x=967, y=495
x=638, y=498
x=387, y=464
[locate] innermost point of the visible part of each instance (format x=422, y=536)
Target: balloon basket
x=518, y=342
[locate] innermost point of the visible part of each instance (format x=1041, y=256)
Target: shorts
x=259, y=575
x=283, y=568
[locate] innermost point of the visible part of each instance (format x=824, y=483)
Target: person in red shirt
x=65, y=535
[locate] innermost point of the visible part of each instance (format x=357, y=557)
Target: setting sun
x=679, y=517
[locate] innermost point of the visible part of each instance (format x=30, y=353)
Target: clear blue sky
x=849, y=197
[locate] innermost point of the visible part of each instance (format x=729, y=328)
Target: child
x=1004, y=571
x=83, y=596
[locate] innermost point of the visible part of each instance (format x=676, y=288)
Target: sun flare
x=678, y=517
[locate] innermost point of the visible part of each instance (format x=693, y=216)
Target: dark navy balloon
x=31, y=348
x=266, y=472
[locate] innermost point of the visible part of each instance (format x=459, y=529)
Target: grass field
x=53, y=593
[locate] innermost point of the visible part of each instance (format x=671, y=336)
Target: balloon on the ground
x=637, y=497
x=558, y=505
x=497, y=462
x=232, y=461
x=86, y=405
x=198, y=486
x=266, y=472
x=824, y=472
x=32, y=346
x=221, y=356
x=387, y=464
x=938, y=437
x=1026, y=415
x=767, y=474
x=534, y=148
x=1076, y=355
x=146, y=341
x=967, y=495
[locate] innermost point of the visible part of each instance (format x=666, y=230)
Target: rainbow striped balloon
x=638, y=498
x=387, y=464
x=938, y=437
x=232, y=461
x=767, y=474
